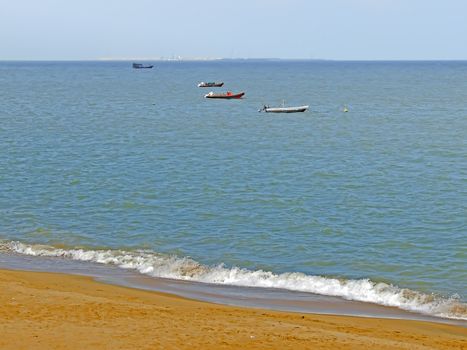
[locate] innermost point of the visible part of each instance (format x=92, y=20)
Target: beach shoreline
x=277, y=299
x=52, y=310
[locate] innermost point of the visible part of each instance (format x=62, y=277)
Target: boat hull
x=205, y=85
x=141, y=66
x=286, y=109
x=225, y=96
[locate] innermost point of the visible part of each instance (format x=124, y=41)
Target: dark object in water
x=140, y=65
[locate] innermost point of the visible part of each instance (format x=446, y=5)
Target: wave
x=166, y=266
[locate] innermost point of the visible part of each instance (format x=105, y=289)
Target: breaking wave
x=165, y=266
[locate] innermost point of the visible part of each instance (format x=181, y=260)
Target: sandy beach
x=55, y=311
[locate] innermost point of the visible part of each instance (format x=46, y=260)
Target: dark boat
x=210, y=84
x=141, y=66
x=227, y=95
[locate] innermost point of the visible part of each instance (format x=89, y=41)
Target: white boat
x=297, y=109
x=211, y=84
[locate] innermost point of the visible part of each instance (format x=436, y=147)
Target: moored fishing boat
x=296, y=109
x=210, y=84
x=227, y=95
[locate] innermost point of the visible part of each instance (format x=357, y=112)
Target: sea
x=134, y=171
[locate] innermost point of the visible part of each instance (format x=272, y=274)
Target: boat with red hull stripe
x=227, y=95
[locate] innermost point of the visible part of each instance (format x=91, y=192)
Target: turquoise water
x=98, y=156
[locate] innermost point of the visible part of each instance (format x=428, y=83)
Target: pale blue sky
x=327, y=29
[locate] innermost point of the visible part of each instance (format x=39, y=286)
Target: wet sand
x=57, y=311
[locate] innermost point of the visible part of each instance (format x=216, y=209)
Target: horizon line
x=196, y=59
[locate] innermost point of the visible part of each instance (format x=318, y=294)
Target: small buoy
x=345, y=110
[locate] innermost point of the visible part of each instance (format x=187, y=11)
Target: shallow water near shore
x=103, y=163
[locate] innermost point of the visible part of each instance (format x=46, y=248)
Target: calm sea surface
x=102, y=157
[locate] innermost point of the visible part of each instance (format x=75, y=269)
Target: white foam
x=160, y=265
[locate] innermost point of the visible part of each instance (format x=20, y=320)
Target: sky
x=302, y=29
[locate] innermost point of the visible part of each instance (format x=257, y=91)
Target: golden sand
x=55, y=311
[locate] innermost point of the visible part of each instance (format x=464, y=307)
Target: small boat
x=210, y=84
x=141, y=66
x=227, y=95
x=297, y=109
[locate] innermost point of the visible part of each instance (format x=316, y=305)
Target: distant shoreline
x=231, y=60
